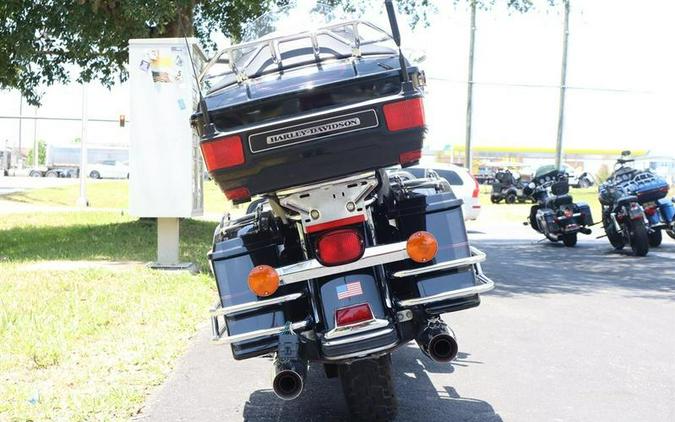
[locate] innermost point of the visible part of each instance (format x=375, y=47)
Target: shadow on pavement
x=551, y=268
x=418, y=398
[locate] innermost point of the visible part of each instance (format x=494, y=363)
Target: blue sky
x=621, y=67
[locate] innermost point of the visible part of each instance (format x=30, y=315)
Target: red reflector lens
x=650, y=211
x=238, y=194
x=406, y=114
x=353, y=315
x=476, y=187
x=339, y=247
x=409, y=157
x=223, y=152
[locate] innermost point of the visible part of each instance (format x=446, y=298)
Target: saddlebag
x=586, y=218
x=442, y=216
x=232, y=260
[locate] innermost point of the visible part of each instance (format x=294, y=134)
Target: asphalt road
x=569, y=334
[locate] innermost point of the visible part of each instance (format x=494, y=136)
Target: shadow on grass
x=419, y=399
x=125, y=241
x=527, y=267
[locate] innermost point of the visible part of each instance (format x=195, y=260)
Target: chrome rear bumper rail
x=485, y=286
x=250, y=306
x=475, y=258
x=373, y=256
x=219, y=338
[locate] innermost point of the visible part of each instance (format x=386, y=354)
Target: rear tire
x=35, y=173
x=95, y=175
x=368, y=387
x=52, y=173
x=570, y=240
x=639, y=238
x=615, y=239
x=511, y=198
x=655, y=238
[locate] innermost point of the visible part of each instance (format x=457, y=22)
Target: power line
x=527, y=85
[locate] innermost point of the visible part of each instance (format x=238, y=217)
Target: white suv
x=463, y=184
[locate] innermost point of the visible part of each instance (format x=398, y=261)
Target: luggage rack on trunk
x=240, y=57
x=373, y=256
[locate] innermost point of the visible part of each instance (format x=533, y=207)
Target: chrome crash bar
x=373, y=256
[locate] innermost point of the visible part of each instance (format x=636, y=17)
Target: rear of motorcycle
x=624, y=220
x=558, y=217
x=341, y=262
x=651, y=192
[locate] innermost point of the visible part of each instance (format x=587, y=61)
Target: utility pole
x=468, y=156
x=35, y=142
x=19, y=159
x=563, y=86
x=82, y=200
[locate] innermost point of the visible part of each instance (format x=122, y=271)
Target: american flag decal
x=345, y=291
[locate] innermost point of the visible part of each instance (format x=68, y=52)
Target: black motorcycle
x=341, y=260
x=556, y=215
x=508, y=188
x=623, y=217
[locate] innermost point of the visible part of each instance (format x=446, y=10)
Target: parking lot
x=569, y=334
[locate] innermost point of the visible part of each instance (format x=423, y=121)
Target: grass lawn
x=90, y=343
x=107, y=194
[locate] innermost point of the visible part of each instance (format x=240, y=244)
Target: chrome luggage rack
x=373, y=256
x=232, y=56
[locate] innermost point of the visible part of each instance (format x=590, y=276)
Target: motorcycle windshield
x=295, y=36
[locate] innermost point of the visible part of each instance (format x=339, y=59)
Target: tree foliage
x=42, y=153
x=43, y=41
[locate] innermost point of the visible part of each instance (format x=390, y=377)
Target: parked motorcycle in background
x=623, y=217
x=556, y=215
x=651, y=192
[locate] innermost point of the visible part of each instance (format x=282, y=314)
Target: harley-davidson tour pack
x=340, y=261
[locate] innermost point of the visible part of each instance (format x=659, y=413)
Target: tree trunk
x=182, y=25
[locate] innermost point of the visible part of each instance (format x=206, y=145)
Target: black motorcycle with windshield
x=555, y=214
x=340, y=261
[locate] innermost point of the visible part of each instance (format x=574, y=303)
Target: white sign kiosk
x=166, y=169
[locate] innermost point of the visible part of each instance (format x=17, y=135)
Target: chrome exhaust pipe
x=289, y=378
x=438, y=342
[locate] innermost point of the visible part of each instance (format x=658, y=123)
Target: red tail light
x=650, y=211
x=406, y=114
x=238, y=194
x=339, y=247
x=476, y=188
x=409, y=157
x=223, y=152
x=353, y=315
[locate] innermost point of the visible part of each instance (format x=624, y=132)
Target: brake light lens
x=339, y=247
x=406, y=114
x=568, y=213
x=476, y=187
x=238, y=194
x=353, y=315
x=263, y=280
x=650, y=211
x=223, y=152
x=422, y=246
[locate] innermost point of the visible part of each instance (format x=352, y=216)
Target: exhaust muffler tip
x=289, y=378
x=443, y=348
x=438, y=342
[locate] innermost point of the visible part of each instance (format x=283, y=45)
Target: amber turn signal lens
x=422, y=246
x=263, y=280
